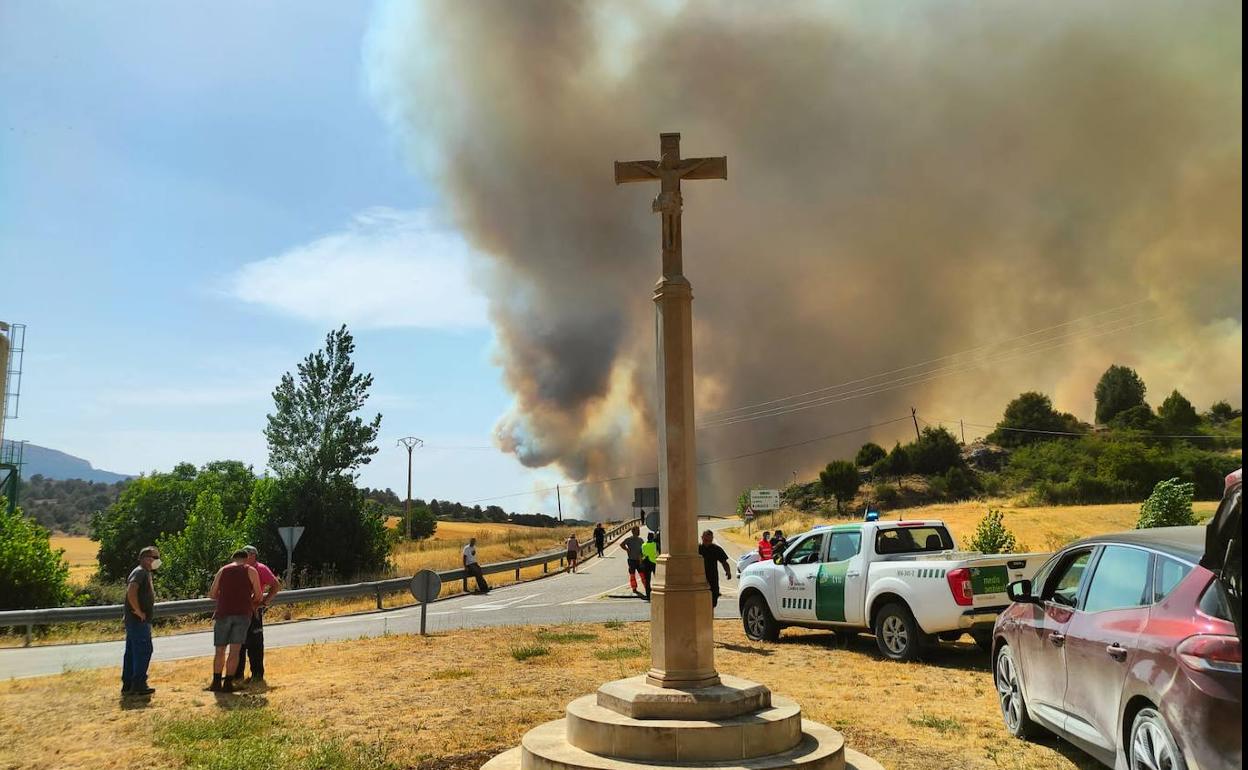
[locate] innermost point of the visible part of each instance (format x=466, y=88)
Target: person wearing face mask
x=140, y=602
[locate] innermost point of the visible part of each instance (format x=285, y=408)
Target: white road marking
x=501, y=605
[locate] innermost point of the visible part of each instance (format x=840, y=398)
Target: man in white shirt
x=474, y=569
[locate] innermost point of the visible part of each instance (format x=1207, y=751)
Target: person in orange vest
x=764, y=547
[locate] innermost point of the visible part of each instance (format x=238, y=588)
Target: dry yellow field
x=450, y=701
x=1039, y=528
x=80, y=553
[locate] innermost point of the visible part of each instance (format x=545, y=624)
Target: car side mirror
x=1020, y=591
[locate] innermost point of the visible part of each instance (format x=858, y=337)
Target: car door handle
x=1116, y=651
x=1057, y=639
x=852, y=574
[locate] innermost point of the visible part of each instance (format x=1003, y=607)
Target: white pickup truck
x=902, y=580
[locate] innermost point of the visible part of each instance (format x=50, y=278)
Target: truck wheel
x=983, y=640
x=1010, y=695
x=897, y=633
x=758, y=621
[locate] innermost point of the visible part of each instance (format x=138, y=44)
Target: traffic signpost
x=426, y=585
x=290, y=537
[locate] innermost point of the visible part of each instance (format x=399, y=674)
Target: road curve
x=597, y=592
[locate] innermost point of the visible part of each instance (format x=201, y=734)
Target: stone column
x=682, y=652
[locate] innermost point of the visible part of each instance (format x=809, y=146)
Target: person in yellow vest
x=649, y=561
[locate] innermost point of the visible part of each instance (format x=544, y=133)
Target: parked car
x=1123, y=645
x=903, y=580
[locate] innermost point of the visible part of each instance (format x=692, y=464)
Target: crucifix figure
x=681, y=643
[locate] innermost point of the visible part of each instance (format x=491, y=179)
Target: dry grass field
x=450, y=701
x=80, y=553
x=1039, y=528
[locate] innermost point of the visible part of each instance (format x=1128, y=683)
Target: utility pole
x=410, y=442
x=559, y=502
x=915, y=416
x=963, y=427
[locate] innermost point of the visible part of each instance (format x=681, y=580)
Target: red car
x=1125, y=646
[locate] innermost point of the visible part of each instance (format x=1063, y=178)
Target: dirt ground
x=450, y=701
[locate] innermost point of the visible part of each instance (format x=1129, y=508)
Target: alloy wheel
x=1007, y=692
x=1150, y=749
x=895, y=636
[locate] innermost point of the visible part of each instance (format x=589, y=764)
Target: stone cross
x=681, y=642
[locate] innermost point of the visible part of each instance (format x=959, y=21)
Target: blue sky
x=190, y=197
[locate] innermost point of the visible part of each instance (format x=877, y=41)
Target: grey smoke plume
x=904, y=183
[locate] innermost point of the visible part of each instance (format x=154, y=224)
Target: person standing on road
x=712, y=554
x=236, y=589
x=473, y=568
x=574, y=550
x=600, y=539
x=253, y=646
x=137, y=614
x=764, y=547
x=631, y=546
x=649, y=561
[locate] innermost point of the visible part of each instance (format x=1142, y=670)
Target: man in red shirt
x=236, y=589
x=253, y=646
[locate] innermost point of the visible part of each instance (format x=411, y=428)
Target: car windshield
x=912, y=540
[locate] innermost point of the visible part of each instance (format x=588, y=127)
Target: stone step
x=637, y=698
x=603, y=731
x=510, y=760
x=546, y=747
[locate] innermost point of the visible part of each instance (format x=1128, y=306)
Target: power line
x=722, y=413
x=934, y=374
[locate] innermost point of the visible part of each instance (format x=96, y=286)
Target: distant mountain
x=53, y=464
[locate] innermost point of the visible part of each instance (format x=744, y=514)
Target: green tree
x=424, y=524
x=1222, y=413
x=960, y=482
x=1177, y=415
x=32, y=574
x=991, y=536
x=151, y=507
x=313, y=431
x=869, y=455
x=935, y=452
x=897, y=464
x=840, y=478
x=1170, y=505
x=1119, y=389
x=1032, y=411
x=1137, y=418
x=192, y=556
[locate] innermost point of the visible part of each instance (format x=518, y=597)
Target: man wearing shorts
x=236, y=590
x=632, y=547
x=253, y=647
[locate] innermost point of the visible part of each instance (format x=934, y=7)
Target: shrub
x=31, y=573
x=960, y=482
x=991, y=536
x=193, y=556
x=1170, y=505
x=869, y=455
x=935, y=451
x=886, y=495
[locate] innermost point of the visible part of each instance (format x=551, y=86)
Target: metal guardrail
x=376, y=588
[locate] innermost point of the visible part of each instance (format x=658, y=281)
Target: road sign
x=426, y=585
x=290, y=537
x=764, y=499
x=645, y=497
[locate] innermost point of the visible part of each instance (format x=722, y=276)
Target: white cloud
x=388, y=269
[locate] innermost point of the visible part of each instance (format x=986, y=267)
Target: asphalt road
x=597, y=592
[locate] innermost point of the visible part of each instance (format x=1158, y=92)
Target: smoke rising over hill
x=902, y=185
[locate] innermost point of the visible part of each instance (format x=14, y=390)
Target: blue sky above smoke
x=190, y=197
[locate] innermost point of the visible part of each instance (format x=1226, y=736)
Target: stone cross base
x=629, y=723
